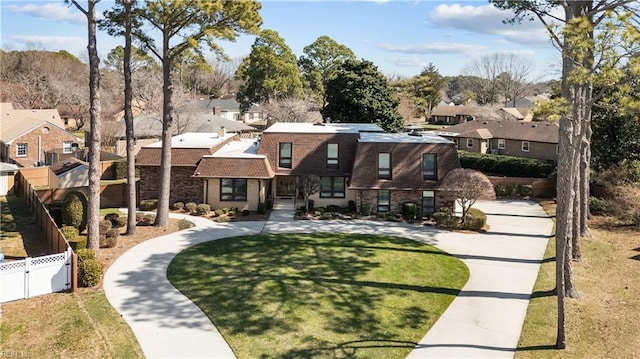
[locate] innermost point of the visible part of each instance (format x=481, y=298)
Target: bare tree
x=468, y=186
x=309, y=185
x=287, y=110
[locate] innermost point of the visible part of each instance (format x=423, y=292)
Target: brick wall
x=51, y=138
x=184, y=188
x=370, y=197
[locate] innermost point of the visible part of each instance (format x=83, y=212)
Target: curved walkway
x=485, y=319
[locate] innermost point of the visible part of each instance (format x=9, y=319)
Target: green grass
x=105, y=211
x=319, y=295
x=604, y=321
x=64, y=325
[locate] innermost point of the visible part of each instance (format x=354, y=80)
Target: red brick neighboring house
x=25, y=136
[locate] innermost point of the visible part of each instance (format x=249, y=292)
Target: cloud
x=432, y=48
x=488, y=20
x=408, y=62
x=51, y=11
x=73, y=44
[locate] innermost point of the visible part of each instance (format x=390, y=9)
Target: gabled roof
x=15, y=123
x=509, y=130
x=225, y=104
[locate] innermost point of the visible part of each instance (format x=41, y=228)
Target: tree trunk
x=164, y=193
x=93, y=210
x=128, y=121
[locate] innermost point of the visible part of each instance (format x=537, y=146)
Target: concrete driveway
x=485, y=319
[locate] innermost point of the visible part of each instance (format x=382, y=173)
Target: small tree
x=309, y=184
x=468, y=186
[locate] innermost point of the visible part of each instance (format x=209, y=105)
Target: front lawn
x=319, y=295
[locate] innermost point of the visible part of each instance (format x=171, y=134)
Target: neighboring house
x=25, y=136
x=70, y=173
x=7, y=178
x=452, y=115
x=520, y=139
x=148, y=129
x=229, y=108
x=355, y=162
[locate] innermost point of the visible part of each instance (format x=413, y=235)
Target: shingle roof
x=242, y=167
x=225, y=104
x=151, y=127
x=179, y=156
x=14, y=123
x=510, y=130
x=67, y=165
x=306, y=127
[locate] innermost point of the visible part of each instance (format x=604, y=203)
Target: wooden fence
x=52, y=234
x=112, y=195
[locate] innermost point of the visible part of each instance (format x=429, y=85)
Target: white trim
x=469, y=142
x=26, y=149
x=501, y=143
x=528, y=146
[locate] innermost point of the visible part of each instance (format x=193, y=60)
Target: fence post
x=27, y=269
x=74, y=272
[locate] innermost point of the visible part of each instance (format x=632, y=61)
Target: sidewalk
x=485, y=320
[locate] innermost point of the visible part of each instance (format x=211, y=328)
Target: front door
x=286, y=186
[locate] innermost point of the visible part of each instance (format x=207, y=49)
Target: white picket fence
x=35, y=276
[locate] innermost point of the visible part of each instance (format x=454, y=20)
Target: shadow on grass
x=18, y=221
x=349, y=349
x=284, y=284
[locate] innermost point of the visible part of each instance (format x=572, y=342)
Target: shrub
x=139, y=216
x=262, y=208
x=525, y=190
x=118, y=222
x=509, y=166
x=89, y=272
x=513, y=190
x=599, y=206
x=232, y=212
x=147, y=220
x=440, y=218
x=351, y=205
x=78, y=243
x=111, y=238
x=120, y=169
x=366, y=209
x=203, y=209
x=178, y=206
x=148, y=204
x=624, y=203
x=501, y=190
x=73, y=211
x=245, y=212
x=70, y=233
x=219, y=212
x=184, y=224
x=476, y=219
x=111, y=216
x=311, y=205
x=409, y=210
x=321, y=210
x=55, y=211
x=302, y=209
x=104, y=226
x=85, y=253
x=190, y=207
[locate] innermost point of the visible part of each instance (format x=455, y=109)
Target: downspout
x=39, y=150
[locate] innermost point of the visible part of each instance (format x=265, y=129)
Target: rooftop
x=402, y=138
x=194, y=140
x=305, y=127
x=243, y=148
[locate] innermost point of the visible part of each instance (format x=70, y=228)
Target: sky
x=399, y=37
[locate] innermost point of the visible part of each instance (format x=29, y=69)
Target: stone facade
x=184, y=188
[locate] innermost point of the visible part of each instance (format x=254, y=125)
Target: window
x=428, y=202
x=429, y=166
x=332, y=187
x=525, y=146
x=470, y=142
x=501, y=143
x=21, y=150
x=384, y=201
x=285, y=155
x=67, y=147
x=384, y=165
x=332, y=155
x=233, y=189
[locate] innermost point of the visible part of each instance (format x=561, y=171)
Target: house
x=25, y=135
x=229, y=108
x=187, y=150
x=356, y=163
x=537, y=140
x=148, y=129
x=70, y=173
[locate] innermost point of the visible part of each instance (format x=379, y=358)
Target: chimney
x=221, y=132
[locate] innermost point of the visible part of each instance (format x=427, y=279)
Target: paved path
x=485, y=320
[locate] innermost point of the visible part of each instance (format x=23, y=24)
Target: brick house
x=355, y=163
x=25, y=136
x=187, y=150
x=537, y=140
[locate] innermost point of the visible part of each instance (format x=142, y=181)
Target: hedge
x=509, y=166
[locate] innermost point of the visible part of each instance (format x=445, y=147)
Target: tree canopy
x=270, y=72
x=320, y=63
x=359, y=93
x=424, y=89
